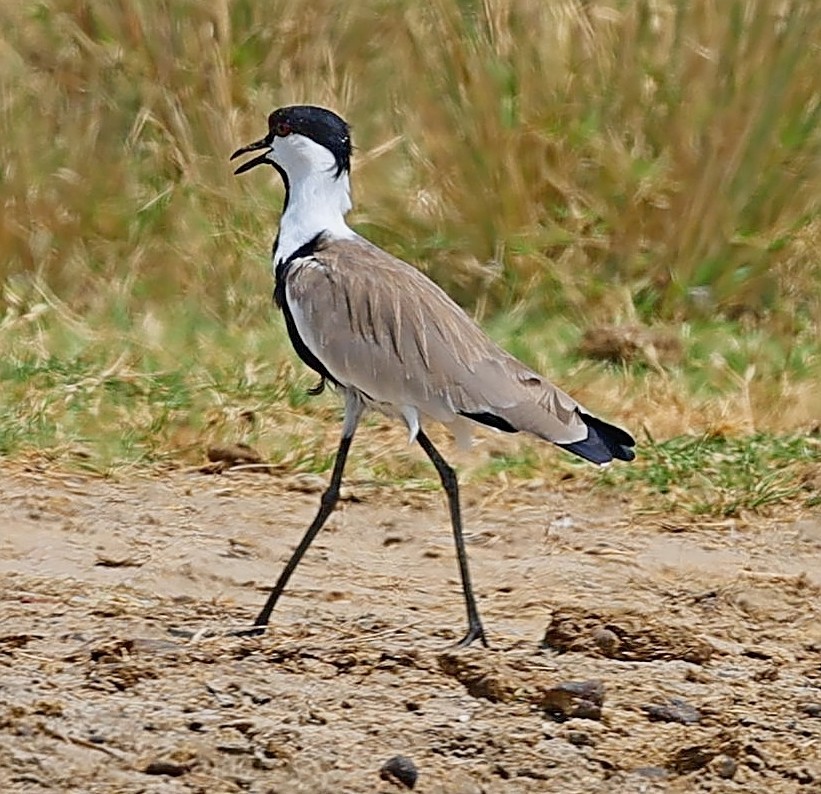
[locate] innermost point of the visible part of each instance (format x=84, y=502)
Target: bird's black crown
x=320, y=125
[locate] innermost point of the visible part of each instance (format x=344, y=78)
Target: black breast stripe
x=281, y=300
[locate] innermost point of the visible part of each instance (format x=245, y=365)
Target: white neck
x=318, y=199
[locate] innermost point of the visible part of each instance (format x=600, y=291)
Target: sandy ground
x=696, y=650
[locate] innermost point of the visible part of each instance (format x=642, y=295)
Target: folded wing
x=381, y=326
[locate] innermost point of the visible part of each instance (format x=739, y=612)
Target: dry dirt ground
x=695, y=650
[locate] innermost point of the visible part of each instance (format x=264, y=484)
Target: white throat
x=318, y=199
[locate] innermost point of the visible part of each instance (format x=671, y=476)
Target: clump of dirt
x=222, y=457
x=627, y=635
x=486, y=676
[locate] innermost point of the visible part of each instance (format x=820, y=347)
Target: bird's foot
x=475, y=632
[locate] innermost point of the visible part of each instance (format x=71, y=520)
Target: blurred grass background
x=649, y=169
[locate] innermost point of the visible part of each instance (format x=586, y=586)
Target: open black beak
x=253, y=147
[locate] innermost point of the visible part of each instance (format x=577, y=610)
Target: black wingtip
x=604, y=442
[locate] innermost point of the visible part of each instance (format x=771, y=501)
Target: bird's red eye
x=282, y=128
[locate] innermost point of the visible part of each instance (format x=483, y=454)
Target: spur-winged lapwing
x=388, y=338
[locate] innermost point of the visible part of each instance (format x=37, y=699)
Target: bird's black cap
x=319, y=124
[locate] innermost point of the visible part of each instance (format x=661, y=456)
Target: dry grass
x=556, y=166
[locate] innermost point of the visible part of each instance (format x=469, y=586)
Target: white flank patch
x=411, y=416
x=303, y=327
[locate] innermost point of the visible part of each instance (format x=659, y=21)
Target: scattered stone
x=168, y=768
x=399, y=769
x=724, y=766
x=579, y=738
x=607, y=641
x=674, y=710
x=581, y=699
x=811, y=709
x=277, y=747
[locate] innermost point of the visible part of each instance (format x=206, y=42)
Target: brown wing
x=383, y=327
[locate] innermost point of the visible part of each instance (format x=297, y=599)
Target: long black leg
x=449, y=482
x=326, y=506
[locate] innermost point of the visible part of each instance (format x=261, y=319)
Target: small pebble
x=724, y=766
x=164, y=768
x=582, y=699
x=579, y=738
x=674, y=710
x=607, y=641
x=811, y=709
x=399, y=769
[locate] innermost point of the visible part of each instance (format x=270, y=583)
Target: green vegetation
x=556, y=166
x=726, y=476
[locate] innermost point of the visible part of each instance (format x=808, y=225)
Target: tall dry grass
x=670, y=148
x=599, y=160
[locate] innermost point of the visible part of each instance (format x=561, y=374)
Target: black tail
x=603, y=443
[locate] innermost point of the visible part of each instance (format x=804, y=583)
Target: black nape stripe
x=281, y=300
x=491, y=420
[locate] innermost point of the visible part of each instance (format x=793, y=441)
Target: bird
x=389, y=339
